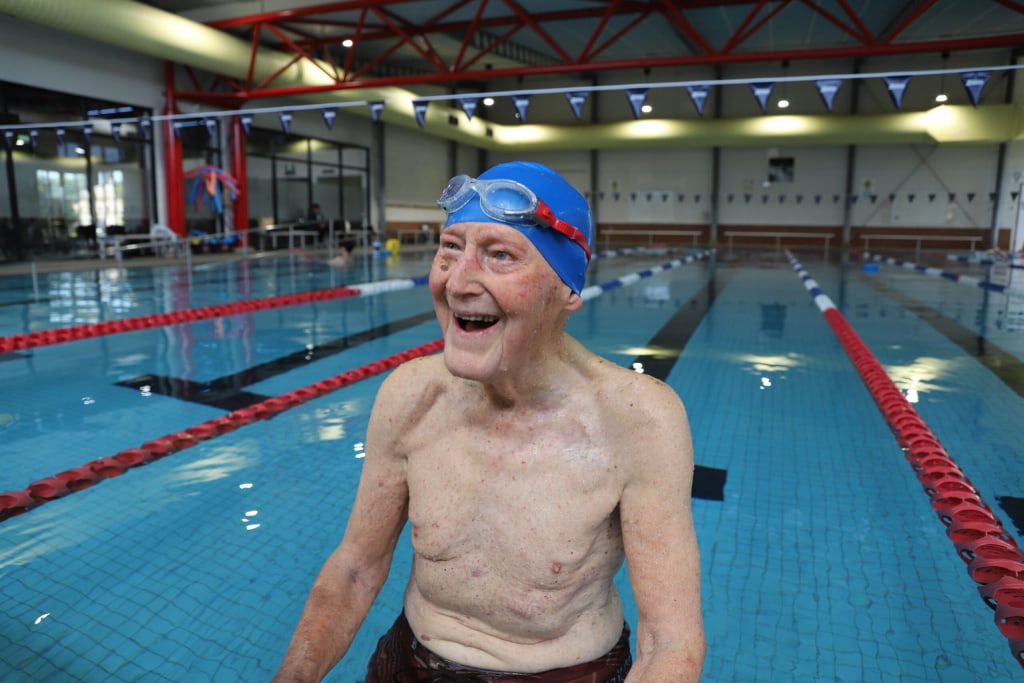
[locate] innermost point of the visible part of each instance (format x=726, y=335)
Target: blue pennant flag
x=636, y=96
x=974, y=82
x=762, y=91
x=420, y=107
x=827, y=88
x=115, y=132
x=329, y=115
x=211, y=127
x=60, y=137
x=9, y=139
x=176, y=127
x=698, y=95
x=897, y=86
x=522, y=102
x=576, y=101
x=375, y=109
x=146, y=126
x=246, y=120
x=469, y=105
x=286, y=120
x=33, y=139
x=87, y=134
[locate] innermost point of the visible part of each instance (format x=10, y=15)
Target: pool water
x=822, y=558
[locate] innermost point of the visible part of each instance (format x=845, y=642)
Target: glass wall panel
x=86, y=171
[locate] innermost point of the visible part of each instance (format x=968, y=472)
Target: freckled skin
x=526, y=483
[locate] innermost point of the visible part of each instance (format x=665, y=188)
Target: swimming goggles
x=507, y=201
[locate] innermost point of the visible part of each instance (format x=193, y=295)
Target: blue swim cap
x=564, y=256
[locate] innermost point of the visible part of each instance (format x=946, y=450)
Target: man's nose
x=464, y=275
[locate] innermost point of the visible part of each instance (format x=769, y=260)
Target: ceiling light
x=646, y=109
x=348, y=42
x=488, y=101
x=783, y=104
x=941, y=97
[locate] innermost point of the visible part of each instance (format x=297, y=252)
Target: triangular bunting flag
x=576, y=101
x=211, y=127
x=87, y=134
x=827, y=88
x=115, y=132
x=762, y=91
x=897, y=86
x=910, y=197
x=146, y=126
x=729, y=197
x=176, y=127
x=420, y=107
x=764, y=199
x=522, y=103
x=746, y=198
x=698, y=95
x=60, y=137
x=636, y=96
x=329, y=115
x=799, y=199
x=974, y=82
x=375, y=109
x=817, y=199
x=246, y=121
x=468, y=105
x=33, y=139
x=9, y=139
x=286, y=120
x=970, y=197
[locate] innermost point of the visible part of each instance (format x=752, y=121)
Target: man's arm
x=353, y=575
x=661, y=545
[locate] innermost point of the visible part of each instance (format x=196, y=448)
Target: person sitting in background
x=528, y=468
x=319, y=220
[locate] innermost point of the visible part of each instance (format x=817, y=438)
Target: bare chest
x=533, y=502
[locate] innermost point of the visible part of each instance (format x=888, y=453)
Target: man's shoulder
x=415, y=381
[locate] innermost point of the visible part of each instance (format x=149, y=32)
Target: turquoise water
x=822, y=559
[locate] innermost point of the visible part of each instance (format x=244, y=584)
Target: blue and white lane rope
x=821, y=300
x=373, y=288
x=936, y=272
x=594, y=291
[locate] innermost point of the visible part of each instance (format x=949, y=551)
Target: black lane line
x=670, y=340
x=1005, y=366
x=228, y=392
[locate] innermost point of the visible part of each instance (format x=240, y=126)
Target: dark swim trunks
x=401, y=658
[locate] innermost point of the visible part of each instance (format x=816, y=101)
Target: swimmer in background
x=528, y=467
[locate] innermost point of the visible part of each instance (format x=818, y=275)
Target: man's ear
x=574, y=302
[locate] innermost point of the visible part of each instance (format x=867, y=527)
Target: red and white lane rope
x=993, y=558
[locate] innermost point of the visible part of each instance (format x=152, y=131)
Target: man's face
x=497, y=300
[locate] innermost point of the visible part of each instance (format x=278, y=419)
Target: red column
x=173, y=174
x=238, y=171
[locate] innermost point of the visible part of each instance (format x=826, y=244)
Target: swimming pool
x=822, y=558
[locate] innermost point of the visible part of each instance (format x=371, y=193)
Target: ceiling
x=463, y=43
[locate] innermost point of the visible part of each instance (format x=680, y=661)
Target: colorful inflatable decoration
x=208, y=186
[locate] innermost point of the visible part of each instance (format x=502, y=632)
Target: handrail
x=778, y=235
x=921, y=238
x=650, y=234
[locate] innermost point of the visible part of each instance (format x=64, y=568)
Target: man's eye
x=501, y=255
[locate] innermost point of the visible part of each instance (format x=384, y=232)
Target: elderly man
x=528, y=468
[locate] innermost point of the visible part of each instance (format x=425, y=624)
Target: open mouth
x=475, y=323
